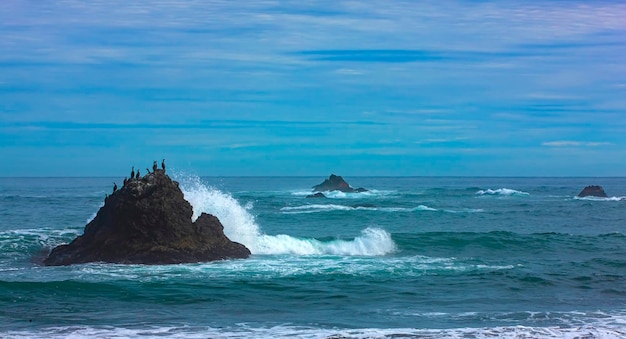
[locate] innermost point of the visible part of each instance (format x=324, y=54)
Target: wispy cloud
x=569, y=143
x=308, y=79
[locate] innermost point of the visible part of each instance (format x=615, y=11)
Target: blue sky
x=469, y=88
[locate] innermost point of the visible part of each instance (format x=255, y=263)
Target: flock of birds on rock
x=137, y=175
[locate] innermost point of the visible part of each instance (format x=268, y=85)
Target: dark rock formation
x=364, y=206
x=316, y=195
x=148, y=221
x=593, y=191
x=336, y=183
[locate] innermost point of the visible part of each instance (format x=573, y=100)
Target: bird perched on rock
x=137, y=176
x=114, y=187
x=163, y=165
x=132, y=172
x=154, y=166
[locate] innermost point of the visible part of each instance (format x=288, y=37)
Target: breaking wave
x=319, y=208
x=240, y=226
x=601, y=198
x=501, y=191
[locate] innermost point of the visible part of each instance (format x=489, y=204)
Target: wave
x=344, y=195
x=240, y=226
x=600, y=326
x=316, y=208
x=501, y=191
x=623, y=198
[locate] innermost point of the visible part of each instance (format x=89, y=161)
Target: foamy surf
x=598, y=329
x=601, y=198
x=501, y=191
x=320, y=208
x=240, y=226
x=344, y=195
x=317, y=208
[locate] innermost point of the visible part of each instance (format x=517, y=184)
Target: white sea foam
x=316, y=208
x=45, y=237
x=240, y=226
x=623, y=198
x=501, y=191
x=344, y=195
x=278, y=266
x=597, y=329
x=467, y=210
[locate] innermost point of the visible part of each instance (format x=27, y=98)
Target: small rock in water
x=336, y=183
x=593, y=191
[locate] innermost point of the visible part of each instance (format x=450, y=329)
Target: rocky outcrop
x=336, y=183
x=593, y=191
x=148, y=221
x=316, y=195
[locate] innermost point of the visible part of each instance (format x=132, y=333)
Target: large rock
x=336, y=183
x=148, y=221
x=593, y=191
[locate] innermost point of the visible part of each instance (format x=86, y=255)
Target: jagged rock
x=336, y=183
x=148, y=221
x=593, y=191
x=316, y=195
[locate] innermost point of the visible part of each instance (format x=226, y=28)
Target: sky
x=355, y=88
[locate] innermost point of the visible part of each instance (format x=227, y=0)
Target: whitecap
x=589, y=198
x=501, y=191
x=240, y=226
x=345, y=195
x=590, y=328
x=466, y=210
x=317, y=208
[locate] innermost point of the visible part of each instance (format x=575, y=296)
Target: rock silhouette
x=336, y=183
x=148, y=221
x=593, y=191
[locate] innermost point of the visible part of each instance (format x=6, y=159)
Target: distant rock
x=593, y=191
x=336, y=183
x=148, y=221
x=316, y=195
x=364, y=206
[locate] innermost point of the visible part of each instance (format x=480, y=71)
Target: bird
x=132, y=173
x=147, y=170
x=125, y=181
x=154, y=166
x=137, y=176
x=163, y=165
x=114, y=187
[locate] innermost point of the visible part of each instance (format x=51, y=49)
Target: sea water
x=411, y=257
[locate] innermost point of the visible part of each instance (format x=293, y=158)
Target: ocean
x=414, y=257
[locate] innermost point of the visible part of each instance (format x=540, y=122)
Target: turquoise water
x=414, y=257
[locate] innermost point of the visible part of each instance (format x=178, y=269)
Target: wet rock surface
x=148, y=221
x=593, y=191
x=336, y=183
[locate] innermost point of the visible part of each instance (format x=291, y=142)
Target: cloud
x=569, y=143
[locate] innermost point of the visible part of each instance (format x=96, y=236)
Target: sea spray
x=240, y=226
